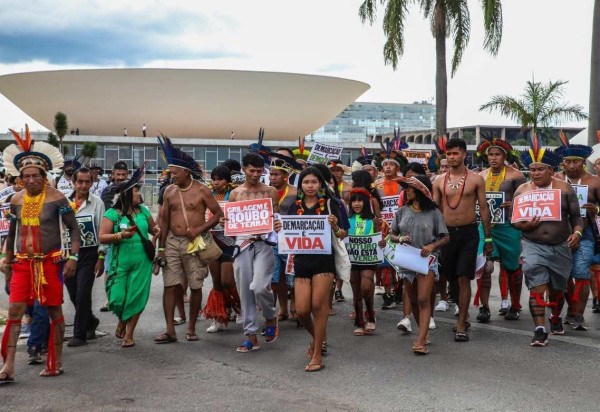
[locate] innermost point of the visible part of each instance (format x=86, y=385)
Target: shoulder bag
x=149, y=248
x=342, y=260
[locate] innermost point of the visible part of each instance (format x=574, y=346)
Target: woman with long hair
x=130, y=270
x=314, y=273
x=420, y=224
x=224, y=296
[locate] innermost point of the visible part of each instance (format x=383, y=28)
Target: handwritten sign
x=6, y=192
x=494, y=202
x=304, y=235
x=248, y=217
x=390, y=206
x=543, y=203
x=582, y=197
x=364, y=250
x=322, y=153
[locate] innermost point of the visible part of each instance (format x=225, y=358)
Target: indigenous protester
x=506, y=240
x=338, y=170
x=64, y=183
x=391, y=161
x=89, y=211
x=98, y=184
x=223, y=298
x=573, y=157
x=362, y=222
x=281, y=168
x=420, y=224
x=547, y=245
x=314, y=273
x=365, y=162
x=254, y=262
x=35, y=255
x=184, y=232
x=125, y=226
x=456, y=195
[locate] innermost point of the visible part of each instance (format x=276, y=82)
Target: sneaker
x=540, y=338
x=339, y=297
x=239, y=319
x=397, y=296
x=456, y=310
x=432, y=324
x=569, y=319
x=379, y=290
x=405, y=325
x=556, y=326
x=596, y=306
x=484, y=314
x=513, y=314
x=442, y=306
x=34, y=356
x=215, y=327
x=504, y=307
x=388, y=301
x=578, y=323
x=25, y=331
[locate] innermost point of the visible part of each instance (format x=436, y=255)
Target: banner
x=4, y=220
x=543, y=203
x=582, y=197
x=390, y=206
x=322, y=153
x=304, y=235
x=87, y=230
x=364, y=250
x=418, y=156
x=494, y=201
x=6, y=192
x=248, y=217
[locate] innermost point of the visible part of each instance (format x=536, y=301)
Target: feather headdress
x=364, y=160
x=259, y=148
x=285, y=163
x=486, y=144
x=539, y=154
x=300, y=152
x=137, y=178
x=73, y=162
x=177, y=157
x=392, y=152
x=27, y=153
x=572, y=150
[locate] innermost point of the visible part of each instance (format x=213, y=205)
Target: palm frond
x=562, y=113
x=393, y=28
x=367, y=10
x=460, y=29
x=492, y=23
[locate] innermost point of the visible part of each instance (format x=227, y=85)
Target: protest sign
x=304, y=235
x=208, y=214
x=494, y=201
x=6, y=192
x=582, y=197
x=544, y=203
x=390, y=205
x=87, y=231
x=389, y=251
x=4, y=220
x=248, y=217
x=289, y=265
x=364, y=250
x=417, y=156
x=409, y=258
x=322, y=153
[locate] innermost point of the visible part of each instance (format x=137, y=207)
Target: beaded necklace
x=494, y=181
x=455, y=186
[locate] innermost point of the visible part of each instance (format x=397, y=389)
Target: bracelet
x=338, y=231
x=488, y=240
x=101, y=257
x=118, y=236
x=598, y=210
x=579, y=233
x=161, y=249
x=73, y=257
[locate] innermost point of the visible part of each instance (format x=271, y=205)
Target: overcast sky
x=548, y=39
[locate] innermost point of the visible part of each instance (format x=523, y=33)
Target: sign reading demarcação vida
x=364, y=250
x=494, y=202
x=581, y=191
x=248, y=217
x=544, y=203
x=322, y=153
x=304, y=235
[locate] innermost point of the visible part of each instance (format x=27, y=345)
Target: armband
x=161, y=249
x=101, y=257
x=488, y=240
x=74, y=257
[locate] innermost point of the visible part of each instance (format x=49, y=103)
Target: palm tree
x=89, y=151
x=594, y=121
x=53, y=140
x=61, y=127
x=448, y=18
x=540, y=105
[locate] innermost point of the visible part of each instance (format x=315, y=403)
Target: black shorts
x=460, y=254
x=358, y=268
x=228, y=254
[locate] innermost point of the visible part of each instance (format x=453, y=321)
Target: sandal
x=128, y=343
x=120, y=331
x=420, y=350
x=283, y=317
x=359, y=332
x=271, y=332
x=5, y=378
x=247, y=346
x=191, y=337
x=370, y=328
x=324, y=348
x=178, y=321
x=165, y=338
x=310, y=351
x=467, y=326
x=314, y=367
x=461, y=337
x=50, y=373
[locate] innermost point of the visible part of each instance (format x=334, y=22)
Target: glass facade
x=361, y=120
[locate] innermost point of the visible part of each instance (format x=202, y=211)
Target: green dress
x=130, y=270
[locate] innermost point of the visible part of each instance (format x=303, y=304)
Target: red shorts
x=23, y=289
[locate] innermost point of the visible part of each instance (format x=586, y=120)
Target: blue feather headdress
x=136, y=180
x=572, y=150
x=178, y=158
x=259, y=148
x=392, y=151
x=539, y=154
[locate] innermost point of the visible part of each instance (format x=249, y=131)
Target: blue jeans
x=40, y=327
x=583, y=255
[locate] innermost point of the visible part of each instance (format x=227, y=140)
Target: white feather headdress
x=27, y=153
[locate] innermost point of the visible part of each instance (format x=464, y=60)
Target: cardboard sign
x=6, y=192
x=304, y=235
x=389, y=251
x=494, y=201
x=582, y=197
x=543, y=203
x=208, y=214
x=409, y=258
x=322, y=153
x=390, y=206
x=364, y=250
x=417, y=156
x=248, y=217
x=4, y=220
x=289, y=265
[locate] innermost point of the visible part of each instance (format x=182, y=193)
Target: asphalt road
x=496, y=370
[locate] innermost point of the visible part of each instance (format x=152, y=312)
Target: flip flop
x=120, y=332
x=467, y=326
x=247, y=346
x=191, y=337
x=178, y=321
x=48, y=374
x=370, y=328
x=271, y=332
x=165, y=338
x=461, y=337
x=359, y=332
x=128, y=343
x=420, y=350
x=314, y=367
x=4, y=378
x=310, y=351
